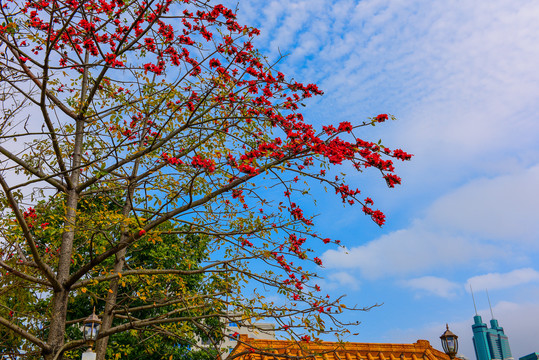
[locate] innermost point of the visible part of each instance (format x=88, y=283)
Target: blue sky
x=463, y=80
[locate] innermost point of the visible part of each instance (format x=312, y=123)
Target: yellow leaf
x=110, y=291
x=83, y=290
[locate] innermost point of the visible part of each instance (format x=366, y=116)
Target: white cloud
x=481, y=223
x=339, y=280
x=410, y=251
x=433, y=285
x=344, y=279
x=503, y=208
x=494, y=281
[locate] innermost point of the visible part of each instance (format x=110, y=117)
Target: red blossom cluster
x=318, y=306
x=305, y=338
x=381, y=117
x=111, y=60
x=85, y=34
x=156, y=69
x=248, y=169
x=345, y=192
x=370, y=152
x=237, y=193
x=295, y=244
x=376, y=215
x=30, y=216
x=206, y=164
x=30, y=213
x=401, y=155
x=345, y=126
x=171, y=159
x=392, y=179
x=214, y=63
x=297, y=214
x=244, y=242
x=292, y=279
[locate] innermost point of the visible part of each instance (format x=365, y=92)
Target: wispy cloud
x=410, y=251
x=339, y=280
x=501, y=208
x=433, y=285
x=496, y=281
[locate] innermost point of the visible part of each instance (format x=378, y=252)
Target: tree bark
x=61, y=296
x=108, y=316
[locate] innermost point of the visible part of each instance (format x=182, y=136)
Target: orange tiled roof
x=287, y=349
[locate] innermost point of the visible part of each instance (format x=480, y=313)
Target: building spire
x=473, y=299
x=490, y=306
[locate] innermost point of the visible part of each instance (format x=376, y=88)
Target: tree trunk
x=101, y=344
x=57, y=328
x=60, y=300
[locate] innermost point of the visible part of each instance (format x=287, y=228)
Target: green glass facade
x=490, y=344
x=532, y=356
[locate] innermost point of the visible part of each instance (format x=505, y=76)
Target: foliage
x=153, y=164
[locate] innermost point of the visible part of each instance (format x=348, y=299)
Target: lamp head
x=91, y=328
x=449, y=342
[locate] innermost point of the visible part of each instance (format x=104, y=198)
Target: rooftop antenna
x=475, y=307
x=490, y=306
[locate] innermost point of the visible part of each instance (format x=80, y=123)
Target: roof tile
x=262, y=349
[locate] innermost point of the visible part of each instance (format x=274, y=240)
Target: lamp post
x=449, y=343
x=90, y=330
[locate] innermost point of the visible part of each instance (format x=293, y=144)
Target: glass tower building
x=490, y=344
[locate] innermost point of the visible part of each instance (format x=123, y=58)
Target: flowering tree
x=131, y=125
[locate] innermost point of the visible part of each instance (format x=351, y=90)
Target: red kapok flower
x=345, y=126
x=381, y=118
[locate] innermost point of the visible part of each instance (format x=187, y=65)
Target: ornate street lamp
x=449, y=342
x=90, y=330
